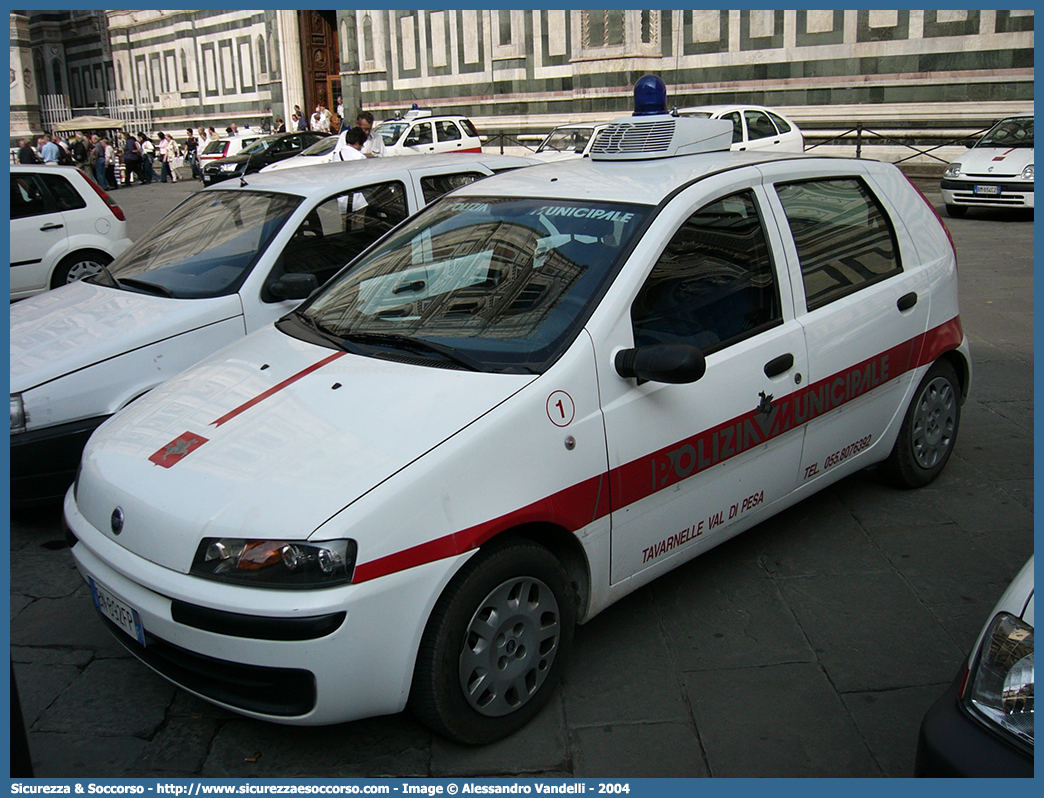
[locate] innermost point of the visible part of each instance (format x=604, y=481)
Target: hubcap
x=934, y=422
x=81, y=269
x=509, y=646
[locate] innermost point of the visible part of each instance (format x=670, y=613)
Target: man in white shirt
x=374, y=146
x=353, y=141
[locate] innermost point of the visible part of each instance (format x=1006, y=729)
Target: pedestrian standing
x=79, y=152
x=49, y=150
x=26, y=153
x=110, y=166
x=131, y=160
x=192, y=154
x=374, y=146
x=99, y=162
x=169, y=153
x=148, y=154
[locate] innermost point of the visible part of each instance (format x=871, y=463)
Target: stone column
x=290, y=63
x=351, y=83
x=25, y=103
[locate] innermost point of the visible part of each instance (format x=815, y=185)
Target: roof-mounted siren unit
x=651, y=132
x=416, y=113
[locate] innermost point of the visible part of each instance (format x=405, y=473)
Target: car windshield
x=1016, y=132
x=390, y=131
x=566, y=139
x=203, y=248
x=321, y=147
x=498, y=284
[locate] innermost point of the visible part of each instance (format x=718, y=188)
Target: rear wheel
x=929, y=430
x=79, y=265
x=495, y=644
x=956, y=211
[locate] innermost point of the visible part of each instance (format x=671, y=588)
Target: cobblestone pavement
x=811, y=645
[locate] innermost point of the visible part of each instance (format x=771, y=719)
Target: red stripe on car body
x=579, y=505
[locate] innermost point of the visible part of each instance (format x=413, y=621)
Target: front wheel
x=929, y=430
x=495, y=644
x=77, y=266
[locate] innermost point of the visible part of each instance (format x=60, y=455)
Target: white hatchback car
x=226, y=262
x=421, y=133
x=995, y=173
x=64, y=227
x=526, y=402
x=753, y=126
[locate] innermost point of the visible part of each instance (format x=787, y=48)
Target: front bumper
x=987, y=193
x=951, y=743
x=356, y=661
x=44, y=461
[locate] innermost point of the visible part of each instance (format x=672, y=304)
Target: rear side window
x=66, y=197
x=781, y=123
x=434, y=186
x=714, y=283
x=469, y=129
x=844, y=239
x=737, y=126
x=447, y=130
x=759, y=126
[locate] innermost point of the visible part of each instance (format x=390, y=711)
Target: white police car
x=529, y=400
x=995, y=173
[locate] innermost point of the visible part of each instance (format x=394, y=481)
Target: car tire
x=77, y=266
x=495, y=644
x=929, y=430
x=956, y=211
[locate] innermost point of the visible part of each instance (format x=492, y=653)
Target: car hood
x=996, y=161
x=269, y=439
x=553, y=156
x=80, y=324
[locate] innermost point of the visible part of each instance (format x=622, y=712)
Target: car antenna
x=246, y=166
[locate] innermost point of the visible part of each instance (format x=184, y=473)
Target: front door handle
x=907, y=301
x=779, y=364
x=52, y=226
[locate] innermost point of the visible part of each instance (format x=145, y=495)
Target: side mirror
x=671, y=363
x=294, y=286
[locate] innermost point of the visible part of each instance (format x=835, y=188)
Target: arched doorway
x=320, y=58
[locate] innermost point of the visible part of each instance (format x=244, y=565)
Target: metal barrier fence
x=860, y=134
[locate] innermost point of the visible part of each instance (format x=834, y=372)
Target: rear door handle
x=779, y=364
x=52, y=226
x=907, y=301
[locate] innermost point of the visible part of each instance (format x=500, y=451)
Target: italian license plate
x=117, y=611
x=989, y=191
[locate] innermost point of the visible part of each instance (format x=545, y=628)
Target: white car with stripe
x=534, y=397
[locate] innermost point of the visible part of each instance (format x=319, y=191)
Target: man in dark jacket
x=26, y=154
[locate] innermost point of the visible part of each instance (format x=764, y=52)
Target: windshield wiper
x=395, y=341
x=109, y=279
x=148, y=288
x=317, y=328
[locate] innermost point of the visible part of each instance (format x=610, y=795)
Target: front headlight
x=953, y=170
x=229, y=167
x=1027, y=173
x=1001, y=689
x=17, y=414
x=275, y=563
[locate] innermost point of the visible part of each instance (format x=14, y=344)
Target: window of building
x=844, y=240
x=262, y=64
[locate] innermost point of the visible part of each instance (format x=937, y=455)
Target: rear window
x=215, y=148
x=468, y=127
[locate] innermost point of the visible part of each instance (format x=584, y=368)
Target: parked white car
x=568, y=141
x=995, y=173
x=64, y=227
x=226, y=262
x=754, y=127
x=420, y=132
x=323, y=151
x=982, y=726
x=525, y=403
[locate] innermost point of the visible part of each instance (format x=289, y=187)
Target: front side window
x=27, y=197
x=843, y=238
x=714, y=284
x=205, y=247
x=421, y=134
x=737, y=125
x=337, y=230
x=495, y=284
